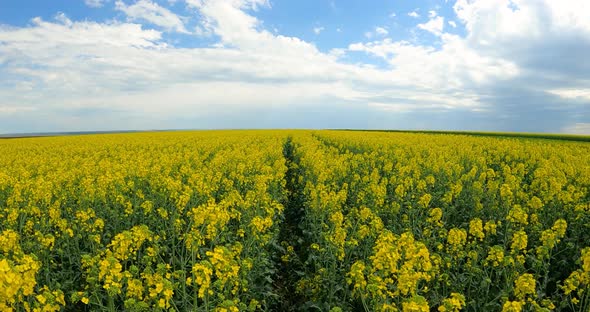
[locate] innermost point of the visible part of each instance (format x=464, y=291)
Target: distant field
x=551, y=136
x=288, y=220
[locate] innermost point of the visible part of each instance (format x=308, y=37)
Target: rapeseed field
x=294, y=221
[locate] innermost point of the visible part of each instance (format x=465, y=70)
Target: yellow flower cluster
x=578, y=283
x=476, y=229
x=519, y=241
x=213, y=217
x=17, y=272
x=17, y=280
x=398, y=265
x=415, y=304
x=337, y=237
x=435, y=217
x=226, y=268
x=49, y=301
x=457, y=238
x=126, y=244
x=550, y=237
x=512, y=306
x=454, y=303
x=495, y=256
x=524, y=285
x=517, y=215
x=202, y=278
x=356, y=277
x=160, y=288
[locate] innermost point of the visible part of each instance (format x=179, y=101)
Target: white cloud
x=453, y=24
x=577, y=94
x=413, y=14
x=435, y=25
x=432, y=13
x=392, y=15
x=378, y=31
x=62, y=18
x=454, y=67
x=381, y=31
x=119, y=65
x=67, y=34
x=337, y=52
x=5, y=110
x=95, y=3
x=153, y=13
x=547, y=38
x=318, y=30
x=239, y=4
x=500, y=20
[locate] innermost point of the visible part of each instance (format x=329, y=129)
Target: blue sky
x=495, y=65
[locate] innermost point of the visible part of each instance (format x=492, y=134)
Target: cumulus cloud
x=377, y=32
x=95, y=3
x=123, y=67
x=153, y=13
x=455, y=66
x=547, y=41
x=521, y=62
x=381, y=31
x=318, y=30
x=545, y=36
x=413, y=14
x=435, y=25
x=577, y=94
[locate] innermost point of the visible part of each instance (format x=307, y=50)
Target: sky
x=487, y=65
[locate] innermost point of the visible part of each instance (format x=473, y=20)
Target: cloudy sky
x=494, y=65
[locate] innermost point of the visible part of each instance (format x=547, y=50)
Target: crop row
x=416, y=222
x=180, y=221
